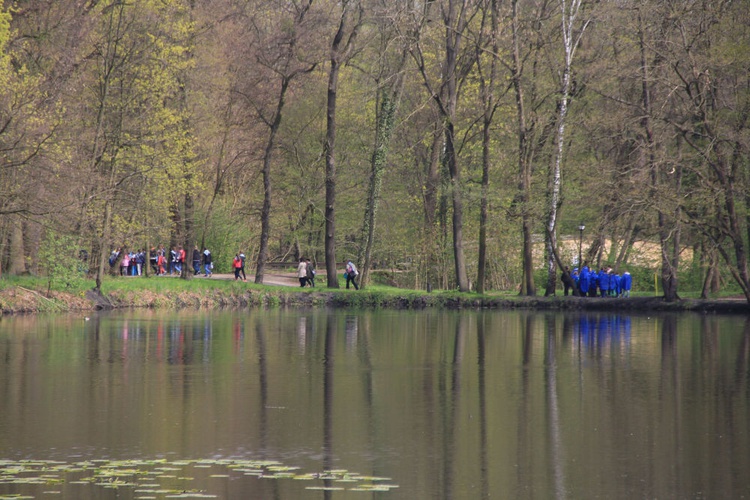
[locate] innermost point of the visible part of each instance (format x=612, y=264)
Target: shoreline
x=20, y=300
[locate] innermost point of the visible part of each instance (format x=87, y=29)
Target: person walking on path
x=351, y=275
x=161, y=262
x=208, y=263
x=196, y=261
x=181, y=258
x=237, y=265
x=154, y=260
x=302, y=272
x=124, y=263
x=113, y=257
x=242, y=269
x=172, y=261
x=140, y=261
x=310, y=273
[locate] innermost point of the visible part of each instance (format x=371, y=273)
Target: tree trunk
x=592, y=259
x=524, y=167
x=488, y=98
x=386, y=117
x=17, y=261
x=176, y=236
x=483, y=210
x=432, y=179
x=733, y=229
x=265, y=213
x=627, y=241
x=103, y=242
x=711, y=281
x=671, y=248
x=4, y=243
x=189, y=240
x=337, y=54
x=668, y=255
x=330, y=241
x=462, y=278
x=455, y=15
x=454, y=33
x=430, y=202
x=570, y=43
x=107, y=169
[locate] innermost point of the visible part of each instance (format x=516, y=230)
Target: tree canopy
x=472, y=137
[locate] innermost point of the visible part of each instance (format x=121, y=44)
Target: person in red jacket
x=237, y=265
x=181, y=254
x=161, y=262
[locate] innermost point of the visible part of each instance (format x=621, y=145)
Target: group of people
x=170, y=262
x=306, y=272
x=238, y=264
x=163, y=262
x=605, y=283
x=131, y=263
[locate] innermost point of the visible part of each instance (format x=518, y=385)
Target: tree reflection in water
x=550, y=405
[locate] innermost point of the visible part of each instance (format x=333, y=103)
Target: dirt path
x=276, y=279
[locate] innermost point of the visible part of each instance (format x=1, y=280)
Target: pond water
x=336, y=404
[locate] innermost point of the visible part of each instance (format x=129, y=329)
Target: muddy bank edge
x=20, y=300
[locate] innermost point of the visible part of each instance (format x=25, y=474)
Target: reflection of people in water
x=351, y=329
x=302, y=328
x=238, y=330
x=605, y=329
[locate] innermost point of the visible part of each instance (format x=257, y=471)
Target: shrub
x=59, y=262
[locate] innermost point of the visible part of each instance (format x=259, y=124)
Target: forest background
x=469, y=144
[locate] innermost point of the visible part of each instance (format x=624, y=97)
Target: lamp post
x=581, y=227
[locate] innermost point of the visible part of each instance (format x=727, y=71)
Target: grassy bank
x=29, y=294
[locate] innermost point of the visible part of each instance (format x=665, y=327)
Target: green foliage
x=59, y=262
x=126, y=105
x=5, y=34
x=643, y=279
x=225, y=234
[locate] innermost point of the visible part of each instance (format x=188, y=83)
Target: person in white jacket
x=351, y=275
x=302, y=272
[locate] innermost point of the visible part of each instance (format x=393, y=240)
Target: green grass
x=38, y=283
x=163, y=284
x=176, y=292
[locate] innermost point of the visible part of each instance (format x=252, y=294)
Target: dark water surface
x=259, y=404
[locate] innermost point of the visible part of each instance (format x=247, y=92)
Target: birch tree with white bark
x=572, y=29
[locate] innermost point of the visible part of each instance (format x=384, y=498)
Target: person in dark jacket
x=242, y=267
x=567, y=281
x=196, y=260
x=351, y=275
x=310, y=273
x=208, y=263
